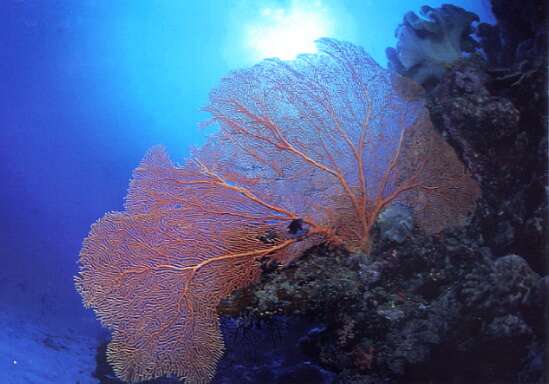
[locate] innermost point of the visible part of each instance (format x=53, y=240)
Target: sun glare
x=286, y=32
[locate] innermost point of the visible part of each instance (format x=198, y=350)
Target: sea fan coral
x=307, y=151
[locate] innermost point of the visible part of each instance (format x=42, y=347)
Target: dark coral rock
x=536, y=307
x=500, y=352
x=502, y=139
x=322, y=281
x=430, y=309
x=476, y=122
x=423, y=327
x=521, y=26
x=450, y=336
x=534, y=369
x=352, y=377
x=429, y=43
x=508, y=327
x=490, y=40
x=538, y=294
x=499, y=287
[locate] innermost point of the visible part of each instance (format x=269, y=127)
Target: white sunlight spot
x=287, y=32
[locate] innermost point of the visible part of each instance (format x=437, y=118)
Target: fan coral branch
x=328, y=140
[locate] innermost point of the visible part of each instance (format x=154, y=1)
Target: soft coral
x=426, y=45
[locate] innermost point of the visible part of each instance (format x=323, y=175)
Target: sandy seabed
x=39, y=351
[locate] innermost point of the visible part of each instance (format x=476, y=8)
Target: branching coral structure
x=307, y=151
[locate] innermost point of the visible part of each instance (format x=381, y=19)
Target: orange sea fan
x=308, y=151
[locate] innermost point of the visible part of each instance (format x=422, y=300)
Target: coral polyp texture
x=427, y=44
x=307, y=151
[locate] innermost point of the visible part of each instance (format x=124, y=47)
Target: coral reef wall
x=469, y=306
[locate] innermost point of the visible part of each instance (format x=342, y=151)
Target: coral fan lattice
x=327, y=141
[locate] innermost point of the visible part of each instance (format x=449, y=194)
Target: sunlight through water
x=286, y=32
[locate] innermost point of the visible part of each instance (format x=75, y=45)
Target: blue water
x=87, y=86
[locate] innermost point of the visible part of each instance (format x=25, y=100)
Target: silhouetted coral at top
x=429, y=43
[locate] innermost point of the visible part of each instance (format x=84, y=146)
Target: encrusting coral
x=308, y=151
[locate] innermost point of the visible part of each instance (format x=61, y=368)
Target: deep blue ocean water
x=87, y=86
